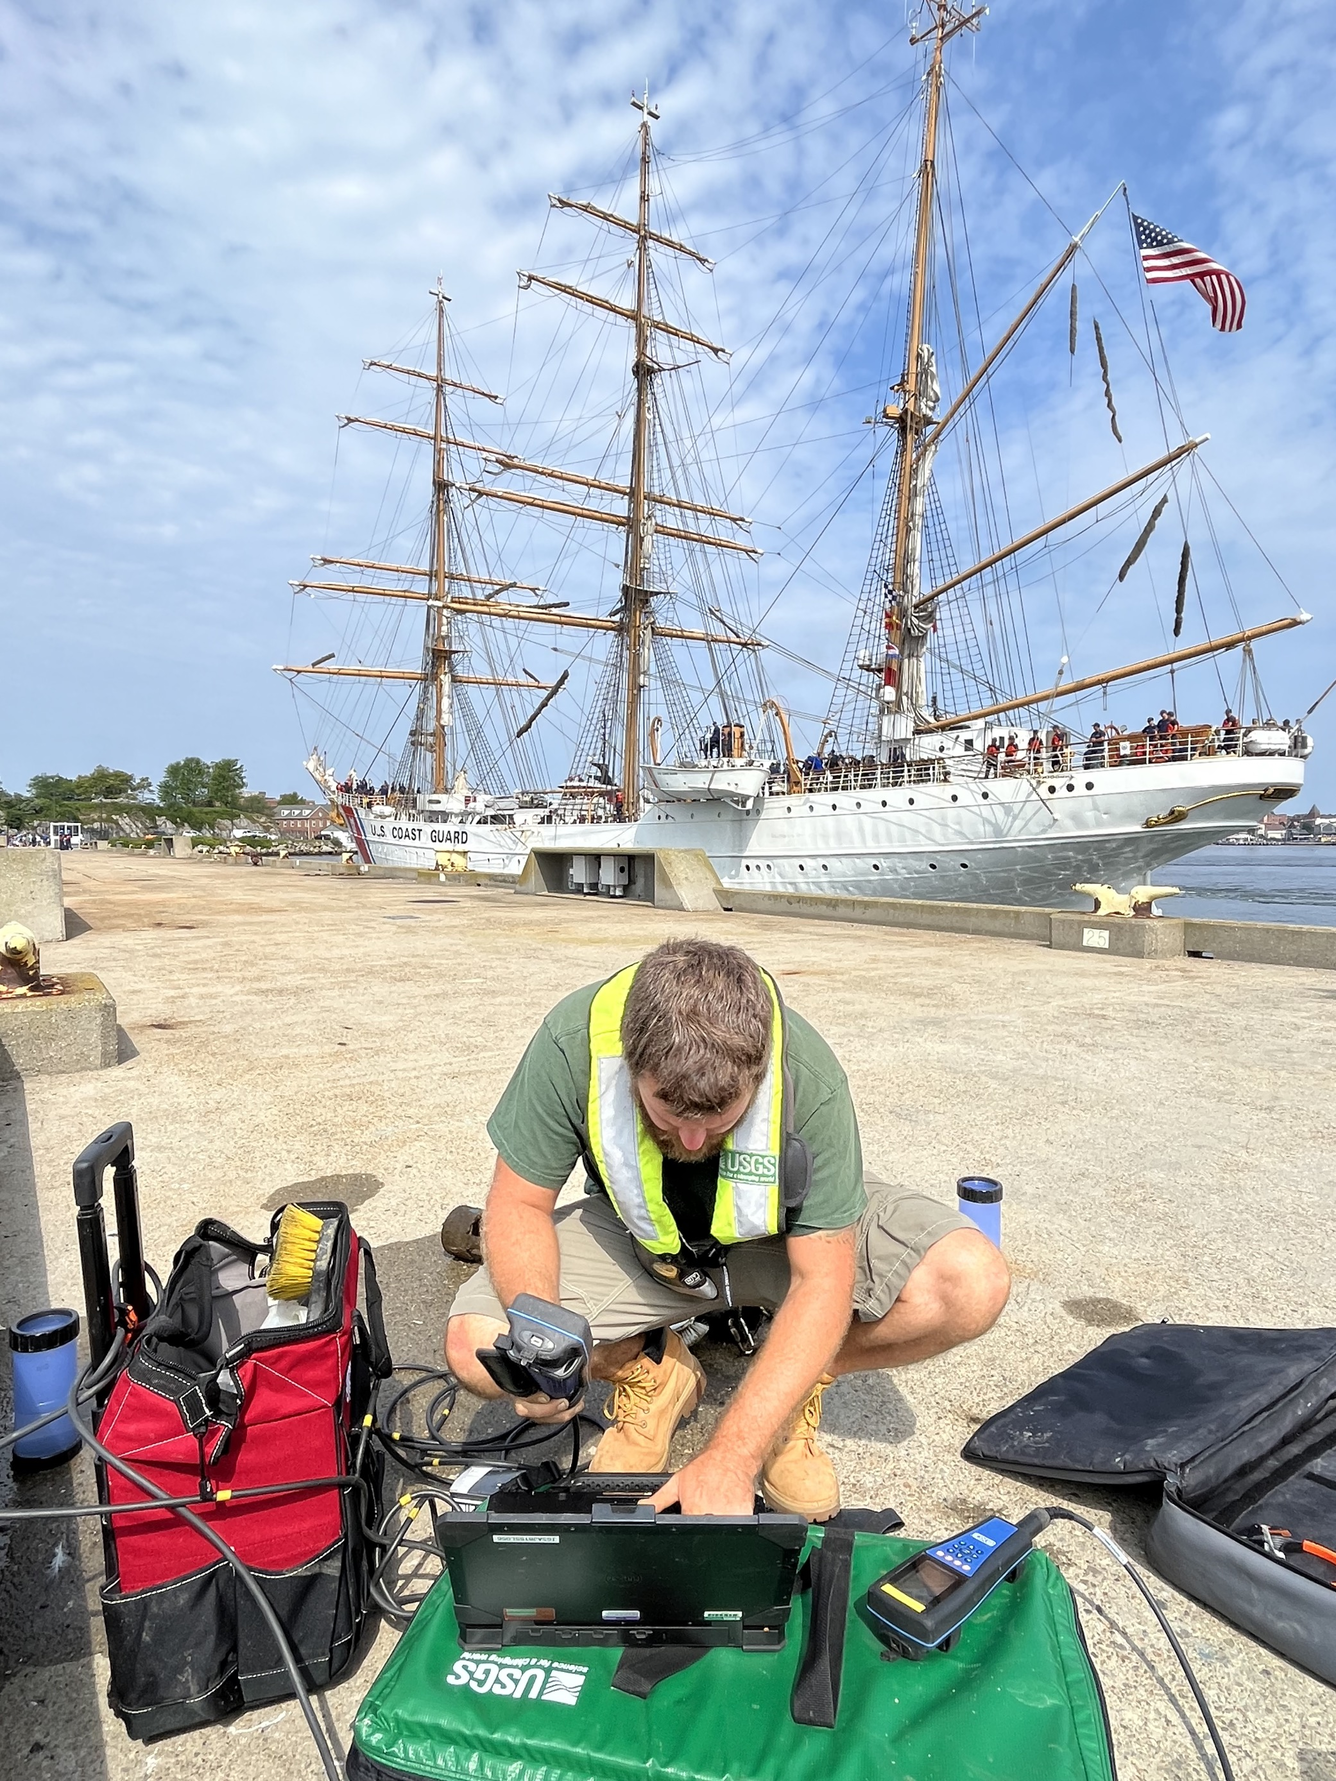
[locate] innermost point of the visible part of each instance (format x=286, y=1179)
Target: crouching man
x=714, y=1124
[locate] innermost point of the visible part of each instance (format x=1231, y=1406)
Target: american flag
x=1166, y=259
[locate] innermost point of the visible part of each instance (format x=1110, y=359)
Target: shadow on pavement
x=48, y=1694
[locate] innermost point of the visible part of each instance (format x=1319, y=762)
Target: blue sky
x=209, y=217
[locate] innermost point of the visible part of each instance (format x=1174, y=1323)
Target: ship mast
x=638, y=503
x=639, y=524
x=438, y=621
x=915, y=413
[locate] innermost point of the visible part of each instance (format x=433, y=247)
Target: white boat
x=918, y=785
x=954, y=835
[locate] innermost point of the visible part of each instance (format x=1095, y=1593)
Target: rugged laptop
x=587, y=1563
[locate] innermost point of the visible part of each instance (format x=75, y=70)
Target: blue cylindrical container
x=44, y=1349
x=981, y=1199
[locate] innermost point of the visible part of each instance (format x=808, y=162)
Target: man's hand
x=710, y=1485
x=553, y=1411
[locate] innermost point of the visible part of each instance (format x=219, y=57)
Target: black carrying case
x=1238, y=1426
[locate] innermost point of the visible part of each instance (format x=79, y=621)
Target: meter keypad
x=969, y=1550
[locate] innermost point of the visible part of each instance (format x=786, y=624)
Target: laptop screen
x=558, y=1567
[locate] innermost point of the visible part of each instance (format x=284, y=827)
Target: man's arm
x=520, y=1246
x=519, y=1239
x=807, y=1330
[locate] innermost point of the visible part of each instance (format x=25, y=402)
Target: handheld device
x=922, y=1604
x=545, y=1350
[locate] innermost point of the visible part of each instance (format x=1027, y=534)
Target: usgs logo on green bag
x=521, y=1678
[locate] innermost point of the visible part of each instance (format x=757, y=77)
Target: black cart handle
x=115, y=1145
x=113, y=1149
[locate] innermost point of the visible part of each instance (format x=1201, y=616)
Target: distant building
x=1311, y=825
x=299, y=822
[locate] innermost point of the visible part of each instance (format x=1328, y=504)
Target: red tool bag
x=209, y=1405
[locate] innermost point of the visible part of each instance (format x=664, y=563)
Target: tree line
x=191, y=791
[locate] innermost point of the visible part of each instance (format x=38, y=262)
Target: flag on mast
x=1168, y=259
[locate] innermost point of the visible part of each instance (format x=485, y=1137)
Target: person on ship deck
x=700, y=1069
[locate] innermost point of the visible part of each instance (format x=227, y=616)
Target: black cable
x=410, y=1504
x=150, y=1273
x=1055, y=1513
x=64, y=1511
x=417, y=1452
x=73, y=1410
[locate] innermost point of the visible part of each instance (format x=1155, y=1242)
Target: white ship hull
x=411, y=839
x=966, y=840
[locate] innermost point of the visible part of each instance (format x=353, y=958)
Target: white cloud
x=212, y=216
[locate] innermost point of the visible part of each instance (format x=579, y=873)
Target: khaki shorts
x=601, y=1278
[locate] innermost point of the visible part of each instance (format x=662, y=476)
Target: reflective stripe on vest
x=747, y=1201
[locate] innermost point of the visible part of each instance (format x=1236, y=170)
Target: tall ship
x=945, y=764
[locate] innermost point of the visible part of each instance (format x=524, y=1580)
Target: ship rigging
x=677, y=728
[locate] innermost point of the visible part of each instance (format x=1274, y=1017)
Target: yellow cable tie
x=367, y=1421
x=222, y=1496
x=405, y=1499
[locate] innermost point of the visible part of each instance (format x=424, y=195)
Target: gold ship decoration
x=920, y=433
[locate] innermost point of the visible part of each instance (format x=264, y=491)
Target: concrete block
x=995, y=921
x=31, y=890
x=1118, y=936
x=53, y=1035
x=1264, y=943
x=685, y=879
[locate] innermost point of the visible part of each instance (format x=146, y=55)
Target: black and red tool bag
x=1237, y=1428
x=208, y=1405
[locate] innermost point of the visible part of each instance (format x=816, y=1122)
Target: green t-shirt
x=541, y=1123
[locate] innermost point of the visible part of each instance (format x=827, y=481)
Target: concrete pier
x=685, y=879
x=30, y=890
x=1164, y=1131
x=55, y=1035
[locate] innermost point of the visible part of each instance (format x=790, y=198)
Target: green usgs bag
x=1016, y=1700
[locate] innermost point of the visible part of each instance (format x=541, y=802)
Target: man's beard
x=678, y=1153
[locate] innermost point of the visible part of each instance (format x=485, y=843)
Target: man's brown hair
x=698, y=1021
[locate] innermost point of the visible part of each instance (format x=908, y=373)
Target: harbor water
x=1265, y=883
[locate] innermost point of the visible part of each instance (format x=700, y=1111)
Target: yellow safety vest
x=749, y=1198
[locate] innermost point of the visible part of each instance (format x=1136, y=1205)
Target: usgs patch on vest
x=760, y=1166
x=521, y=1678
x=526, y=1539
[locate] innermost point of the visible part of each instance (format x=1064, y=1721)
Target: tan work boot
x=798, y=1477
x=648, y=1400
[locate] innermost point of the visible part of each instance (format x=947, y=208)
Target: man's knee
x=464, y=1336
x=963, y=1283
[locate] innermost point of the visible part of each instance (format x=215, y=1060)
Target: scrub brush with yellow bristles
x=303, y=1250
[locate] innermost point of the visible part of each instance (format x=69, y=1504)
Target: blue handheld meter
x=922, y=1604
